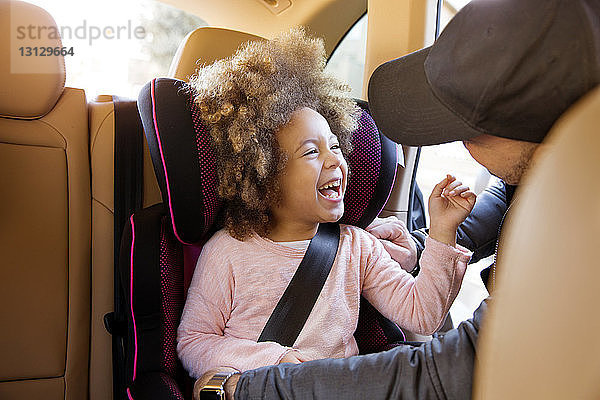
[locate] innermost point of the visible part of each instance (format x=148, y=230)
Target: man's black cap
x=506, y=68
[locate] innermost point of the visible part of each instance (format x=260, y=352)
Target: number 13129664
x=46, y=51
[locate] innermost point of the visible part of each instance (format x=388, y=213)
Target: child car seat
x=161, y=244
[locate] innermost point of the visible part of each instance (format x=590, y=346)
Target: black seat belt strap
x=128, y=191
x=129, y=162
x=296, y=303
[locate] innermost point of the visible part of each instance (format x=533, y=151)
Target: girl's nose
x=333, y=160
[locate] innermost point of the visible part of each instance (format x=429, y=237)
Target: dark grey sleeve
x=439, y=369
x=479, y=232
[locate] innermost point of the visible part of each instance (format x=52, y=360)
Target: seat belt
x=296, y=303
x=128, y=191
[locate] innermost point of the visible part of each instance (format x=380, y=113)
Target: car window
x=347, y=62
x=117, y=52
x=449, y=10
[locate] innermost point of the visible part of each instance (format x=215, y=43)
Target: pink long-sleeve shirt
x=237, y=284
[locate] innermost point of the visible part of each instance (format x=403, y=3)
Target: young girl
x=281, y=128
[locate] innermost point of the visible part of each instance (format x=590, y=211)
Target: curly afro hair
x=245, y=100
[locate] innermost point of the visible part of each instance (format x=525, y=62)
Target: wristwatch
x=215, y=387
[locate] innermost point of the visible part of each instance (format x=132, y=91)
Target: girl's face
x=314, y=180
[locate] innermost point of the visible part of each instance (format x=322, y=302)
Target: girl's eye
x=335, y=147
x=309, y=152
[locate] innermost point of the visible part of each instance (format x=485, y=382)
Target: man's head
x=508, y=159
x=498, y=77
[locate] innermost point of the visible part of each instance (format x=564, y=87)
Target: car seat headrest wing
x=372, y=163
x=185, y=164
x=181, y=153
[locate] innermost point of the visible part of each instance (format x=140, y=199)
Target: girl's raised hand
x=449, y=204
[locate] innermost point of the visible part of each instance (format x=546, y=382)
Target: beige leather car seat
x=540, y=339
x=203, y=45
x=45, y=218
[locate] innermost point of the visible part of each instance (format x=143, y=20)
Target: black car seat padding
x=182, y=156
x=152, y=271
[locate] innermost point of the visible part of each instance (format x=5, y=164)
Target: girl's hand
x=396, y=240
x=449, y=205
x=294, y=357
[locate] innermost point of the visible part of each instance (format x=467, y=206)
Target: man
x=498, y=77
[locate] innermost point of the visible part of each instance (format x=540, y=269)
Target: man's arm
x=439, y=369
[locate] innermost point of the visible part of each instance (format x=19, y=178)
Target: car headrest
x=199, y=48
x=185, y=164
x=30, y=85
x=535, y=342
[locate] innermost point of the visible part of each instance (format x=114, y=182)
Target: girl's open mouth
x=331, y=190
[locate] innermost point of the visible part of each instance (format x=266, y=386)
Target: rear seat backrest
x=45, y=229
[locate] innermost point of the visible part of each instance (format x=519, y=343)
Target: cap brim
x=405, y=108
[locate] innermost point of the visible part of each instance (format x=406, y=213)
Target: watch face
x=212, y=394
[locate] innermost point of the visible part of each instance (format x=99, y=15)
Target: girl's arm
x=418, y=304
x=201, y=343
x=479, y=231
x=421, y=304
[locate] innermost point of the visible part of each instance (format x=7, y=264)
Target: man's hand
x=203, y=380
x=449, y=205
x=396, y=239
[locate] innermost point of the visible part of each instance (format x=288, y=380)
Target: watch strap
x=216, y=384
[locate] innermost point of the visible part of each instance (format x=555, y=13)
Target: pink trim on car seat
x=162, y=158
x=129, y=396
x=135, y=354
